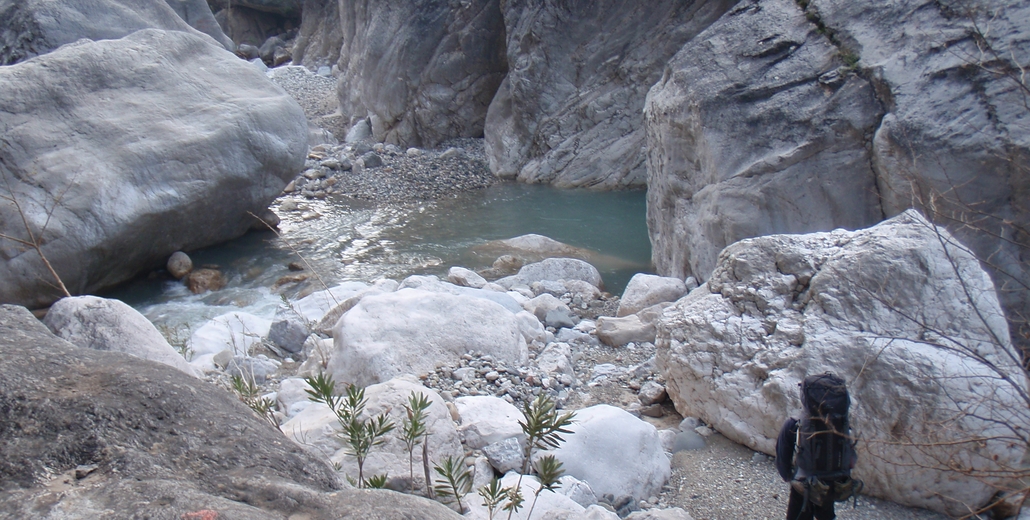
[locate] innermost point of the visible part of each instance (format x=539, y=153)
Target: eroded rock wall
x=421, y=71
x=569, y=111
x=320, y=36
x=753, y=131
x=788, y=119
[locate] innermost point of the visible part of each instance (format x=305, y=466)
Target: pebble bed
x=723, y=480
x=384, y=173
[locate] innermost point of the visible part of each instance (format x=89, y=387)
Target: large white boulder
x=645, y=290
x=903, y=312
x=486, y=420
x=410, y=331
x=104, y=324
x=616, y=332
x=208, y=142
x=615, y=453
x=434, y=284
x=236, y=332
x=317, y=427
x=554, y=269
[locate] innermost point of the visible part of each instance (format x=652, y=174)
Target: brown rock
x=203, y=280
x=179, y=265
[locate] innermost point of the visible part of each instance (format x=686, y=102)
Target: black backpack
x=824, y=451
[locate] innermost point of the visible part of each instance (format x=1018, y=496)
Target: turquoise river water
x=357, y=241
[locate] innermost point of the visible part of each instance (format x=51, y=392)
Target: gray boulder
x=411, y=330
x=422, y=71
x=645, y=290
x=130, y=438
x=111, y=325
x=32, y=27
x=554, y=269
x=569, y=110
x=903, y=312
x=766, y=146
x=208, y=142
x=615, y=452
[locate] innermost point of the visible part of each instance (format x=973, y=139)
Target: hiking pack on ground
x=817, y=453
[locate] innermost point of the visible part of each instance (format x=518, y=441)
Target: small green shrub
x=455, y=481
x=360, y=434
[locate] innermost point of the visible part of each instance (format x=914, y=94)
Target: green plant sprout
x=360, y=434
x=455, y=481
x=493, y=496
x=543, y=428
x=249, y=393
x=413, y=429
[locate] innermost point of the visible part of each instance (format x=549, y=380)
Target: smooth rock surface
x=569, y=111
x=554, y=269
x=409, y=331
x=422, y=71
x=208, y=140
x=645, y=290
x=486, y=420
x=614, y=452
x=916, y=333
x=548, y=505
x=236, y=332
x=616, y=332
x=111, y=325
x=805, y=164
x=32, y=27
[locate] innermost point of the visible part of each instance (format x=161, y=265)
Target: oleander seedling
x=361, y=434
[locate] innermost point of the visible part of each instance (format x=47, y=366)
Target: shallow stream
x=358, y=241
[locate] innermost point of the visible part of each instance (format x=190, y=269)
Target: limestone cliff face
x=779, y=119
x=421, y=71
x=569, y=112
x=752, y=131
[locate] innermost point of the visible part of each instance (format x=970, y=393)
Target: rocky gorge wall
x=762, y=116
x=839, y=115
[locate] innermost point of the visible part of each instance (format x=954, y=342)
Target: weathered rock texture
x=569, y=111
x=913, y=326
x=779, y=120
x=411, y=330
x=748, y=136
x=320, y=36
x=199, y=16
x=158, y=443
x=139, y=147
x=32, y=27
x=106, y=324
x=280, y=7
x=954, y=141
x=422, y=71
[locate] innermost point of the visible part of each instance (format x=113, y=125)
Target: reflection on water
x=356, y=241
